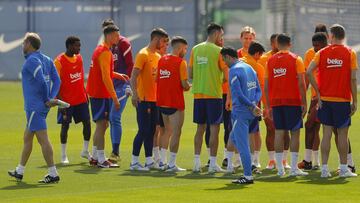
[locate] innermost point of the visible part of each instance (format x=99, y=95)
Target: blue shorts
x=208, y=111
x=36, y=120
x=79, y=112
x=287, y=117
x=100, y=108
x=254, y=125
x=336, y=114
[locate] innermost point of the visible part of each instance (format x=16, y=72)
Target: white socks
x=316, y=158
x=52, y=171
x=343, y=167
x=324, y=167
x=172, y=161
x=197, y=159
x=308, y=153
x=20, y=169
x=156, y=153
x=229, y=156
x=294, y=160
x=149, y=160
x=63, y=150
x=256, y=157
x=212, y=161
x=350, y=161
x=94, y=153
x=101, y=156
x=279, y=158
x=271, y=155
x=134, y=159
x=163, y=153
x=86, y=146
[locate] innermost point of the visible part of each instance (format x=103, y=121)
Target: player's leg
x=149, y=135
x=200, y=119
x=164, y=136
x=143, y=118
x=156, y=144
x=269, y=140
x=215, y=117
x=240, y=137
x=64, y=118
x=176, y=122
x=227, y=130
x=81, y=114
x=325, y=149
x=207, y=142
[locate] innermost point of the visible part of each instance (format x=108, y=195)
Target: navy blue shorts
x=254, y=125
x=208, y=111
x=167, y=111
x=79, y=112
x=336, y=114
x=287, y=117
x=36, y=120
x=100, y=108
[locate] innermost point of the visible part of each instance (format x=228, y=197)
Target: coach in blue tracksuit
x=245, y=94
x=40, y=83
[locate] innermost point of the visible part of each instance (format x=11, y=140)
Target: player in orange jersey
x=336, y=91
x=171, y=83
x=270, y=128
x=101, y=91
x=286, y=101
x=71, y=71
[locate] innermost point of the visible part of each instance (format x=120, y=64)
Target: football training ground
x=82, y=183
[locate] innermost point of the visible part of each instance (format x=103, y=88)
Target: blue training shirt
x=244, y=87
x=40, y=81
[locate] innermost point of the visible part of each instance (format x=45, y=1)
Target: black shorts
x=167, y=111
x=79, y=112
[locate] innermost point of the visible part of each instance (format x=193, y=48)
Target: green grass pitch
x=82, y=183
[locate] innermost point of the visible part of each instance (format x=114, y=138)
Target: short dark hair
x=178, y=39
x=319, y=37
x=158, y=32
x=321, y=28
x=338, y=31
x=256, y=47
x=110, y=29
x=283, y=39
x=34, y=39
x=213, y=27
x=107, y=22
x=273, y=37
x=229, y=51
x=71, y=40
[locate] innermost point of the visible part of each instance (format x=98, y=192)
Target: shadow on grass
x=93, y=170
x=23, y=185
x=60, y=165
x=315, y=179
x=230, y=186
x=159, y=174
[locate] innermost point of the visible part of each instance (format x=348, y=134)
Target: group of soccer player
x=236, y=87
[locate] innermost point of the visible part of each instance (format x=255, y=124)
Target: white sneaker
x=298, y=172
x=230, y=170
x=85, y=155
x=174, y=169
x=325, y=174
x=197, y=168
x=216, y=169
x=257, y=164
x=64, y=160
x=161, y=166
x=347, y=173
x=286, y=165
x=152, y=165
x=138, y=167
x=281, y=173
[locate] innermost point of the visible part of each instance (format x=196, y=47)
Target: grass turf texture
x=82, y=183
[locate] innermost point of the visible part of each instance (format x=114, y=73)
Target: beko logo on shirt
x=75, y=77
x=165, y=74
x=279, y=72
x=201, y=60
x=334, y=63
x=251, y=85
